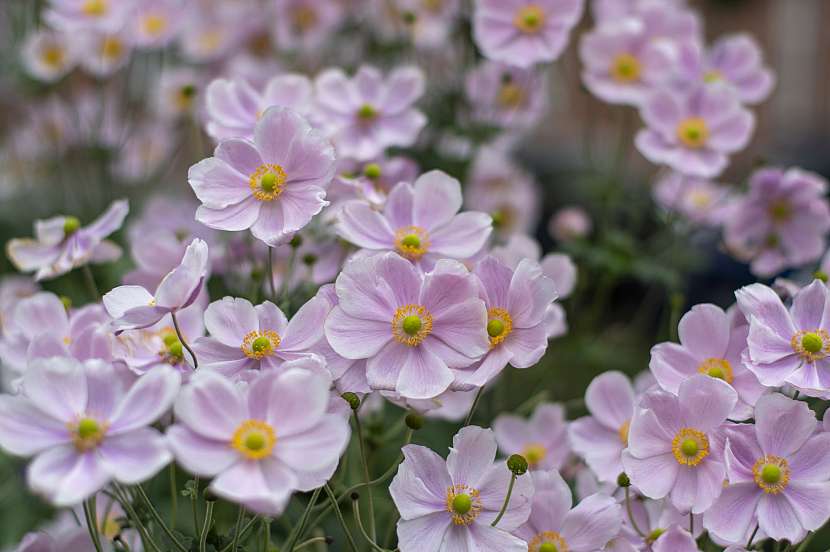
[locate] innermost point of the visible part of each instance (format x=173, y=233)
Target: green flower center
x=462, y=503
x=88, y=428
x=495, y=327
x=71, y=225
x=548, y=547
x=412, y=324
x=411, y=240
x=689, y=447
x=367, y=112
x=771, y=474
x=820, y=275
x=261, y=344
x=255, y=442
x=169, y=339
x=268, y=182
x=175, y=349
x=372, y=171
x=811, y=342
x=656, y=534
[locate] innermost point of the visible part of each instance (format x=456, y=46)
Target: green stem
x=752, y=537
x=473, y=408
x=359, y=523
x=297, y=534
x=91, y=287
x=266, y=530
x=366, y=479
x=133, y=515
x=803, y=546
x=194, y=506
x=271, y=272
x=339, y=515
x=237, y=529
x=506, y=500
x=245, y=529
x=92, y=523
x=184, y=343
x=167, y=531
x=630, y=515
x=313, y=540
x=206, y=527
x=289, y=274
x=174, y=498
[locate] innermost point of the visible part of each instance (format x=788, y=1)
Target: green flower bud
x=71, y=225
x=623, y=480
x=414, y=421
x=352, y=399
x=517, y=464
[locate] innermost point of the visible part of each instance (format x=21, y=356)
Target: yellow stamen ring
x=267, y=182
x=412, y=242
x=626, y=68
x=463, y=504
x=534, y=453
x=499, y=325
x=693, y=132
x=623, y=431
x=259, y=344
x=254, y=439
x=719, y=368
x=771, y=473
x=690, y=446
x=87, y=433
x=530, y=19
x=411, y=324
x=811, y=346
x=547, y=541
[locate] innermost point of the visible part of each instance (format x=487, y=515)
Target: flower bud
x=296, y=241
x=414, y=421
x=352, y=399
x=623, y=480
x=517, y=464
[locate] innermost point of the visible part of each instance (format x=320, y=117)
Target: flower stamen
x=499, y=325
x=547, y=541
x=623, y=432
x=690, y=446
x=626, y=68
x=718, y=368
x=267, y=182
x=534, y=453
x=411, y=324
x=87, y=433
x=412, y=242
x=463, y=504
x=771, y=473
x=529, y=19
x=811, y=346
x=254, y=439
x=693, y=132
x=259, y=344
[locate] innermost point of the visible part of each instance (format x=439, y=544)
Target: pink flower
x=420, y=222
x=48, y=56
x=781, y=222
x=412, y=329
x=672, y=443
x=244, y=337
x=506, y=96
x=584, y=528
x=273, y=185
x=694, y=131
x=788, y=346
x=524, y=32
x=712, y=344
x=449, y=506
x=86, y=426
x=700, y=201
x=134, y=308
x=601, y=437
x=542, y=440
x=262, y=441
x=156, y=23
x=778, y=472
x=85, y=15
x=234, y=106
x=62, y=244
x=517, y=303
x=369, y=113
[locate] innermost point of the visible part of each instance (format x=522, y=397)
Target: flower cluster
x=343, y=239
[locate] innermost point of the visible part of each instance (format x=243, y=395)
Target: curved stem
x=174, y=496
x=91, y=287
x=309, y=542
x=245, y=529
x=473, y=408
x=184, y=343
x=366, y=480
x=506, y=500
x=297, y=534
x=237, y=529
x=131, y=513
x=375, y=546
x=752, y=536
x=630, y=515
x=339, y=515
x=167, y=531
x=270, y=272
x=206, y=526
x=92, y=523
